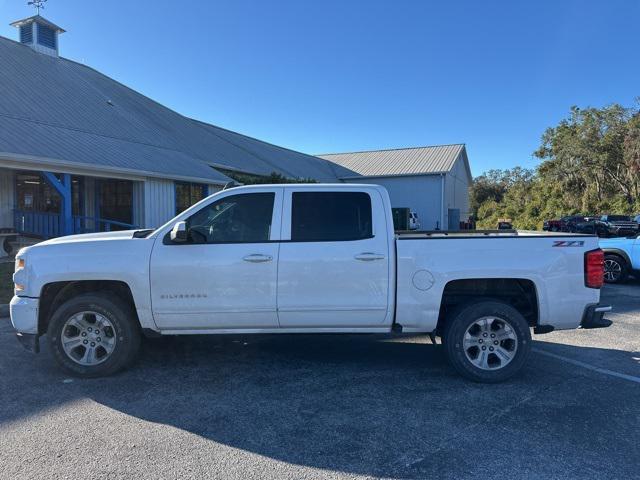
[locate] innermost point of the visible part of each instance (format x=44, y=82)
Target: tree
x=272, y=178
x=585, y=154
x=590, y=163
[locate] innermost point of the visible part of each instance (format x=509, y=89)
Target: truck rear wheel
x=93, y=335
x=487, y=341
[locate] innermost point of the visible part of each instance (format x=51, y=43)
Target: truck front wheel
x=615, y=269
x=93, y=335
x=487, y=341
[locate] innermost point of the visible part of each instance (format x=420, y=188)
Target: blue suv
x=621, y=257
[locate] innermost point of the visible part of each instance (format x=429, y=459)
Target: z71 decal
x=568, y=243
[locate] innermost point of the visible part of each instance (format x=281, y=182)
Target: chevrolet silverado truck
x=618, y=225
x=621, y=257
x=304, y=259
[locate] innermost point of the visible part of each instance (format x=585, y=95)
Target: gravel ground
x=329, y=406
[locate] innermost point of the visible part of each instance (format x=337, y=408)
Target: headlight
x=19, y=277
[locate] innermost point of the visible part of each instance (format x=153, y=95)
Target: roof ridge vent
x=39, y=33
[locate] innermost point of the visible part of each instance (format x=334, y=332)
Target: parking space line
x=593, y=368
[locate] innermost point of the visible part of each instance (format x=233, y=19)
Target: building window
x=115, y=202
x=26, y=33
x=188, y=194
x=34, y=194
x=46, y=36
x=330, y=216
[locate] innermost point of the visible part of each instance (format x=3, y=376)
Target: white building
x=432, y=181
x=80, y=152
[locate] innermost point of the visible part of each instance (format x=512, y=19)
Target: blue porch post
x=64, y=189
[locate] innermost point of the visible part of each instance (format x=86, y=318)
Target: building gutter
x=30, y=162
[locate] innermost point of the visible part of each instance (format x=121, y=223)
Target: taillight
x=594, y=268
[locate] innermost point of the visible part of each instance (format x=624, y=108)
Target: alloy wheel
x=88, y=338
x=612, y=270
x=490, y=343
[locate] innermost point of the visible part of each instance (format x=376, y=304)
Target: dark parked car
x=505, y=224
x=565, y=224
x=569, y=223
x=618, y=225
x=551, y=225
x=591, y=226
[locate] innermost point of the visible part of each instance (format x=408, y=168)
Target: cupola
x=40, y=34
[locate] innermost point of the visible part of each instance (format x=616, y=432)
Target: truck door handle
x=257, y=258
x=369, y=257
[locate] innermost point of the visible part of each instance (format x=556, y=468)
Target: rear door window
x=330, y=216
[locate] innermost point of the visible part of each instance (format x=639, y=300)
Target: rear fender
x=619, y=252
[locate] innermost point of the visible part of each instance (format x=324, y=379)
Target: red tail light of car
x=594, y=268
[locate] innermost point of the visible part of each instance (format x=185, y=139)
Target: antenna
x=37, y=4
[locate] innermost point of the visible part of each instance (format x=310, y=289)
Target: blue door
x=454, y=219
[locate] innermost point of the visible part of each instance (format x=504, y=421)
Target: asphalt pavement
x=329, y=406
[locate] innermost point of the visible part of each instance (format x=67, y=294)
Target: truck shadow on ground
x=372, y=405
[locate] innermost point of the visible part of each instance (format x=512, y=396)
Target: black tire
x=616, y=268
x=125, y=326
x=6, y=245
x=464, y=318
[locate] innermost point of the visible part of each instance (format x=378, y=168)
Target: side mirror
x=179, y=232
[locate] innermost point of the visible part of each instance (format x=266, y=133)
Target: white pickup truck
x=301, y=259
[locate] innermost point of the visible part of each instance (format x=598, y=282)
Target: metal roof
x=60, y=109
x=39, y=19
x=400, y=161
x=101, y=153
x=269, y=158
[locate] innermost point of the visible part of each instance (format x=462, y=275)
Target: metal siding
x=60, y=109
x=7, y=198
x=402, y=161
x=457, y=189
x=420, y=193
x=159, y=202
x=138, y=204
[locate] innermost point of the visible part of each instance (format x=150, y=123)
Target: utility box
x=400, y=218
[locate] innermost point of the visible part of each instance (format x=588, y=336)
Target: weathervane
x=38, y=4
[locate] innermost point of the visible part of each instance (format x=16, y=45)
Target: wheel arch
x=520, y=293
x=55, y=294
x=619, y=252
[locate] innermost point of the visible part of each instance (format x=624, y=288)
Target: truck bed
x=426, y=234
x=552, y=262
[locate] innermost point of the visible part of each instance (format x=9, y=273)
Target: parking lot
x=329, y=407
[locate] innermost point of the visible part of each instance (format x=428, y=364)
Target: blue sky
x=332, y=76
